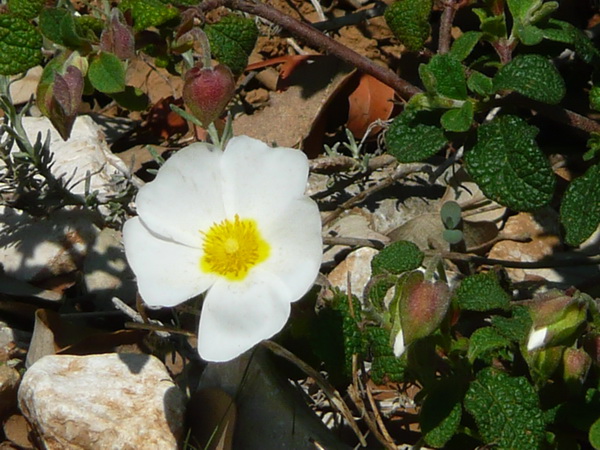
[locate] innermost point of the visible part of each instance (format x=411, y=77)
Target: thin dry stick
x=401, y=171
x=550, y=262
x=332, y=394
x=377, y=415
x=446, y=26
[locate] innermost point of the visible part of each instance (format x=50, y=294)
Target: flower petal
x=536, y=338
x=259, y=179
x=167, y=273
x=237, y=316
x=296, y=246
x=185, y=197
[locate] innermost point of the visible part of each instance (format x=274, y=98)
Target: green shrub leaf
x=107, y=73
x=566, y=33
x=458, y=120
x=27, y=9
x=20, y=45
x=396, y=258
x=444, y=75
x=508, y=165
x=481, y=292
x=464, y=45
x=409, y=140
x=506, y=410
x=484, y=340
x=516, y=327
x=148, y=13
x=232, y=39
x=480, y=84
x=594, y=434
x=580, y=208
x=409, y=21
x=441, y=413
x=532, y=76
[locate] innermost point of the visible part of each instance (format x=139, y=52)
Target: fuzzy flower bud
x=576, y=365
x=117, y=37
x=207, y=91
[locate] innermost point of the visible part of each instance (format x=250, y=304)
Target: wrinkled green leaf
x=484, y=340
x=107, y=73
x=509, y=167
x=481, y=292
x=594, y=434
x=458, y=120
x=50, y=20
x=385, y=365
x=396, y=258
x=564, y=32
x=232, y=39
x=441, y=413
x=492, y=26
x=27, y=9
x=516, y=327
x=580, y=208
x=444, y=75
x=464, y=45
x=506, y=410
x=148, y=13
x=409, y=139
x=480, y=84
x=20, y=45
x=532, y=76
x=409, y=21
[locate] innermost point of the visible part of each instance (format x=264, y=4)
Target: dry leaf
x=371, y=100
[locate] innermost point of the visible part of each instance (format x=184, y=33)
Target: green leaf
x=595, y=98
x=107, y=73
x=481, y=292
x=232, y=39
x=73, y=35
x=521, y=9
x=409, y=139
x=132, y=98
x=444, y=75
x=385, y=366
x=453, y=236
x=580, y=208
x=441, y=413
x=148, y=13
x=20, y=45
x=509, y=167
x=464, y=45
x=409, y=21
x=480, y=84
x=484, y=340
x=594, y=434
x=529, y=34
x=532, y=76
x=396, y=258
x=516, y=327
x=564, y=32
x=451, y=214
x=506, y=410
x=458, y=120
x=492, y=26
x=27, y=9
x=50, y=20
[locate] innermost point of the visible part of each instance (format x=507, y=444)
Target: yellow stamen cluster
x=232, y=248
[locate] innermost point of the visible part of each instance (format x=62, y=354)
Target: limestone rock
x=109, y=401
x=9, y=383
x=358, y=265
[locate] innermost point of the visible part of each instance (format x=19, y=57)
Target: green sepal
x=232, y=39
x=410, y=138
x=481, y=292
x=506, y=410
x=20, y=45
x=532, y=76
x=508, y=165
x=580, y=208
x=409, y=21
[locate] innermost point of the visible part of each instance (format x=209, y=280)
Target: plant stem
x=446, y=26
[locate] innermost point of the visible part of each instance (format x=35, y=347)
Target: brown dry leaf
x=371, y=100
x=289, y=63
x=291, y=115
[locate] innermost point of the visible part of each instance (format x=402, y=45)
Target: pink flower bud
x=576, y=364
x=207, y=91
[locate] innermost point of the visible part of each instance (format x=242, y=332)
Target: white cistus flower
x=234, y=224
x=537, y=338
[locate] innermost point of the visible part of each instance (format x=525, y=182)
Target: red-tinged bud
x=576, y=365
x=423, y=309
x=117, y=37
x=592, y=346
x=207, y=91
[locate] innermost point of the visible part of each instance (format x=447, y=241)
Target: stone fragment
x=34, y=248
x=108, y=401
x=358, y=265
x=9, y=383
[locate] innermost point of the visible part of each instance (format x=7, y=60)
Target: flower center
x=232, y=248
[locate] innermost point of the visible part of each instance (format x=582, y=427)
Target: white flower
x=537, y=338
x=233, y=223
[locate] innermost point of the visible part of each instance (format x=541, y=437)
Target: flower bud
x=544, y=363
x=576, y=365
x=422, y=307
x=117, y=37
x=592, y=346
x=207, y=91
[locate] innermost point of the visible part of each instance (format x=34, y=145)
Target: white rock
x=37, y=248
x=110, y=401
x=85, y=152
x=358, y=265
